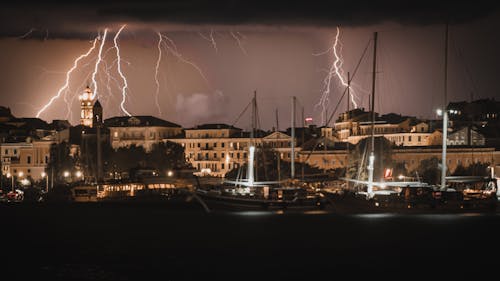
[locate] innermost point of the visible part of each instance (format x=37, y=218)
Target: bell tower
x=86, y=104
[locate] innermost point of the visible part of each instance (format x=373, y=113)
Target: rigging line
x=239, y=116
x=466, y=68
x=352, y=77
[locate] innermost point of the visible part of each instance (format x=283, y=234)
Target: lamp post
x=44, y=175
x=12, y=177
x=79, y=175
x=66, y=175
x=444, y=113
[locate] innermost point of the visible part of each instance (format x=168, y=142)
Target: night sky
x=272, y=48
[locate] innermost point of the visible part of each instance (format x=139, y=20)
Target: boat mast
x=292, y=169
x=445, y=112
x=251, y=153
x=372, y=146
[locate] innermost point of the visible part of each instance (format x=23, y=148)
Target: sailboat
x=250, y=194
x=381, y=195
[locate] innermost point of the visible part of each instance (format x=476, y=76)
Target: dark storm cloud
x=82, y=18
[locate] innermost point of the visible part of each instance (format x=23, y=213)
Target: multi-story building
x=355, y=125
x=25, y=159
x=215, y=149
x=465, y=136
x=144, y=131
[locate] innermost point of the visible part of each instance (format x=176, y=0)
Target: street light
x=78, y=174
x=444, y=113
x=12, y=177
x=44, y=175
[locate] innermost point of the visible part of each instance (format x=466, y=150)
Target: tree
x=358, y=158
x=429, y=170
x=266, y=167
x=474, y=169
x=162, y=157
x=61, y=161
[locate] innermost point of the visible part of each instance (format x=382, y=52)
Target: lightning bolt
x=125, y=84
x=160, y=40
x=26, y=34
x=238, y=40
x=338, y=64
x=334, y=70
x=210, y=39
x=68, y=75
x=172, y=48
x=99, y=59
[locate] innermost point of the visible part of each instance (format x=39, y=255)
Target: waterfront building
x=144, y=131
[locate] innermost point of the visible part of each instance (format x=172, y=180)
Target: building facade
x=215, y=149
x=25, y=160
x=142, y=131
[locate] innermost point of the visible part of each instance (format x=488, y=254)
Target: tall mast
x=250, y=171
x=445, y=112
x=372, y=146
x=303, y=139
x=348, y=91
x=292, y=169
x=279, y=153
x=347, y=119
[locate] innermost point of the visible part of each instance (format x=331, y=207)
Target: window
x=222, y=144
x=29, y=171
x=419, y=138
x=215, y=144
x=222, y=166
x=238, y=155
x=222, y=155
x=15, y=151
x=46, y=159
x=28, y=159
x=6, y=151
x=199, y=145
x=206, y=145
x=409, y=138
x=245, y=155
x=206, y=156
x=215, y=155
x=115, y=134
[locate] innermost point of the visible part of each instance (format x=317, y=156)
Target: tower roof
x=97, y=104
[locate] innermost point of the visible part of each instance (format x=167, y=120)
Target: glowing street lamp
x=66, y=174
x=44, y=175
x=78, y=174
x=170, y=173
x=444, y=113
x=12, y=177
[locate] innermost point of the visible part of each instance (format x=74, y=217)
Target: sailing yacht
x=250, y=194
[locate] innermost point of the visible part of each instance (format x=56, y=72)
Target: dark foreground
x=139, y=242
